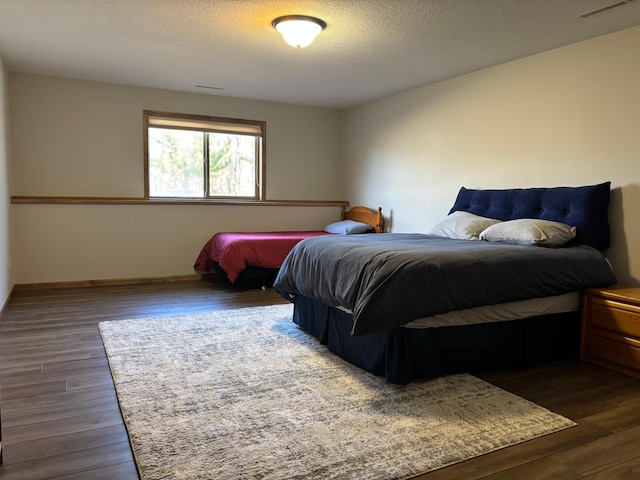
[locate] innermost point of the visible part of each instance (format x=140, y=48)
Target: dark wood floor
x=60, y=417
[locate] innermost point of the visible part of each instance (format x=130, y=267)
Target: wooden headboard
x=365, y=215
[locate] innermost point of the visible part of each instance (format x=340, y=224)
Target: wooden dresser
x=611, y=328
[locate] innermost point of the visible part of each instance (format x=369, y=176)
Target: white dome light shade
x=298, y=30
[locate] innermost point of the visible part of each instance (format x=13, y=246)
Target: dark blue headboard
x=585, y=208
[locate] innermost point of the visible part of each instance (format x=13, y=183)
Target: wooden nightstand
x=611, y=328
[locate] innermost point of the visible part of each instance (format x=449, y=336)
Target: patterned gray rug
x=245, y=394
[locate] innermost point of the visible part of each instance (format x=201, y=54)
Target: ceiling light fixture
x=298, y=30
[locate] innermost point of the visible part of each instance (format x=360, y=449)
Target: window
x=196, y=156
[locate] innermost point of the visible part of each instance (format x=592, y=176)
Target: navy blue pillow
x=586, y=208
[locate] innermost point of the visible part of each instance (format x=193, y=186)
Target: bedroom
x=567, y=116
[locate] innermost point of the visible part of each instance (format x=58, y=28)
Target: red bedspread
x=236, y=251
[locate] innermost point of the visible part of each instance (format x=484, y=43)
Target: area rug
x=245, y=394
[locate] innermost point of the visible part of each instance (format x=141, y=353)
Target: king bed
x=497, y=283
x=248, y=259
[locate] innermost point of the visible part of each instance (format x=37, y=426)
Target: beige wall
x=568, y=116
x=80, y=138
x=6, y=282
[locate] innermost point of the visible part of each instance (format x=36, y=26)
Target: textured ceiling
x=370, y=49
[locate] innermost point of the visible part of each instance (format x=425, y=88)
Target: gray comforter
x=388, y=280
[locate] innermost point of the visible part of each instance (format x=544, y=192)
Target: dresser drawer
x=611, y=351
x=614, y=316
x=611, y=328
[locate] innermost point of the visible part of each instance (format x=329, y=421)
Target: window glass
x=175, y=163
x=232, y=165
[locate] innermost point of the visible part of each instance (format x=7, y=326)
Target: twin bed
x=253, y=258
x=497, y=283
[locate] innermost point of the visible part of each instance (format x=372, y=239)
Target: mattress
x=503, y=312
x=533, y=307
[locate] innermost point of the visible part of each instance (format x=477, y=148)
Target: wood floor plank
x=121, y=471
x=53, y=428
x=98, y=353
x=538, y=469
x=60, y=411
x=49, y=358
x=72, y=463
x=67, y=345
x=79, y=383
x=47, y=401
x=51, y=376
x=67, y=365
x=33, y=389
x=603, y=453
x=629, y=470
x=20, y=337
x=65, y=443
x=618, y=418
x=19, y=371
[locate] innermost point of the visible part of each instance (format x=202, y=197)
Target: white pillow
x=461, y=225
x=530, y=231
x=347, y=227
